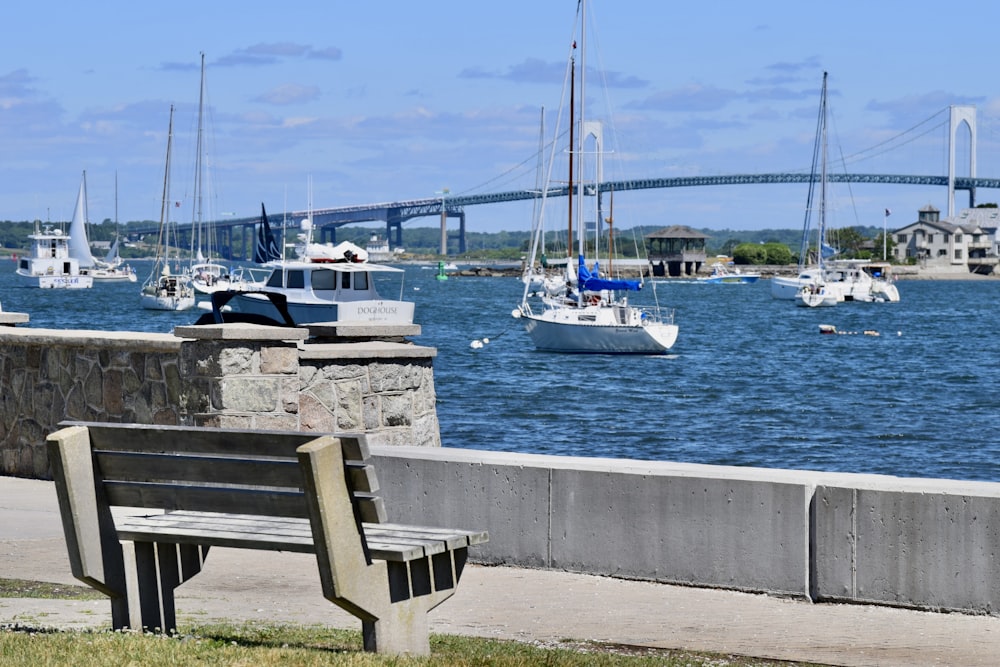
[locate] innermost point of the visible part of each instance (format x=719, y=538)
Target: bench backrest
x=219, y=470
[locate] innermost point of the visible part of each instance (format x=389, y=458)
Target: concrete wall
x=930, y=544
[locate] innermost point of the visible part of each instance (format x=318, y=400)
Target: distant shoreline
x=485, y=270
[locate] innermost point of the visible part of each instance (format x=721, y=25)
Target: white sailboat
x=829, y=281
x=591, y=315
x=207, y=275
x=109, y=269
x=165, y=289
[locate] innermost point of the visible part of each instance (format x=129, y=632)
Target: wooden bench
x=278, y=491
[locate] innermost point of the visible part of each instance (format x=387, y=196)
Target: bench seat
x=386, y=541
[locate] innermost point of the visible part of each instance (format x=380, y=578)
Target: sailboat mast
x=165, y=204
x=572, y=153
x=581, y=231
x=198, y=166
x=822, y=183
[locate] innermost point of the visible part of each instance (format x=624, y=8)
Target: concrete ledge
x=365, y=330
x=366, y=350
x=12, y=319
x=239, y=331
x=81, y=337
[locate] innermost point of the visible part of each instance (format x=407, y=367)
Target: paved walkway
x=510, y=603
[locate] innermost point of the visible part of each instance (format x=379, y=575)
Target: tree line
x=765, y=246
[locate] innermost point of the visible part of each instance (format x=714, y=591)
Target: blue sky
x=383, y=101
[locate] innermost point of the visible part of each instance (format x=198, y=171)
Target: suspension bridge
x=237, y=234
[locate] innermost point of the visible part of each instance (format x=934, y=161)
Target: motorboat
x=721, y=273
x=50, y=265
x=302, y=292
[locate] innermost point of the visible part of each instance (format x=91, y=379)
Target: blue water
x=750, y=382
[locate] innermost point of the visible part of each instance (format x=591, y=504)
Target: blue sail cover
x=594, y=283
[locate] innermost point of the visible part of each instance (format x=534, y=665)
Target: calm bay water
x=750, y=382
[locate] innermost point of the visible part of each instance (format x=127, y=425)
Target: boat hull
x=112, y=275
x=366, y=312
x=54, y=281
x=789, y=288
x=729, y=280
x=572, y=331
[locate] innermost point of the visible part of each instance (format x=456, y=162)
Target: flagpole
x=885, y=232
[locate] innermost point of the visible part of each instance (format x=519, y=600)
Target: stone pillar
x=242, y=376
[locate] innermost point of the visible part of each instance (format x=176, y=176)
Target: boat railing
x=658, y=314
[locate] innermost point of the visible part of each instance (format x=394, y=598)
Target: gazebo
x=676, y=251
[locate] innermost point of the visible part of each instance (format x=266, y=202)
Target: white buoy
x=486, y=341
x=476, y=344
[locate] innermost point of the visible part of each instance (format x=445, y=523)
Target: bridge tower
x=959, y=115
x=593, y=131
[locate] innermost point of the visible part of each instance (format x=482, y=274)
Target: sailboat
x=164, y=289
x=109, y=269
x=266, y=249
x=830, y=281
x=591, y=315
x=207, y=275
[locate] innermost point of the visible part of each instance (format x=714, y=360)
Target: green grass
x=280, y=645
x=274, y=646
x=21, y=588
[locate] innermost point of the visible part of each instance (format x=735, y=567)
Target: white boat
x=111, y=268
x=592, y=315
x=843, y=279
x=302, y=292
x=166, y=289
x=49, y=265
x=723, y=274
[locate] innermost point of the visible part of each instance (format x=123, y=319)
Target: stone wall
x=230, y=375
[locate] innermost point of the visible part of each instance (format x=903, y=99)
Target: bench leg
x=152, y=572
x=402, y=630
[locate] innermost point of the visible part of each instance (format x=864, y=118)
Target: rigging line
x=893, y=138
x=909, y=141
x=516, y=167
x=850, y=190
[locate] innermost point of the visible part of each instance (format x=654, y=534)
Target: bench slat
x=207, y=498
x=184, y=439
x=158, y=467
x=399, y=543
x=455, y=538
